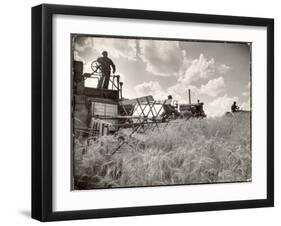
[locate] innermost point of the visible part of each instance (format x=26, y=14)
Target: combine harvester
x=98, y=112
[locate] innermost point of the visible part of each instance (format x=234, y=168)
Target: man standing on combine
x=105, y=63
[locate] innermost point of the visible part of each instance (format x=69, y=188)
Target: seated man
x=234, y=107
x=200, y=112
x=169, y=109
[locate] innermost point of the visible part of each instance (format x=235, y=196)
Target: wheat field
x=195, y=151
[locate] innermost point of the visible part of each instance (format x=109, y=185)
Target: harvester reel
x=96, y=67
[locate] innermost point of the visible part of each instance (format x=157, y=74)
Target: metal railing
x=114, y=80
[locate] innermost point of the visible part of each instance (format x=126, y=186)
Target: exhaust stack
x=189, y=96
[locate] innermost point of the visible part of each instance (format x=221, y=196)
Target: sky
x=217, y=73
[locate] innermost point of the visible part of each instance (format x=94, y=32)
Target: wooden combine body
x=91, y=105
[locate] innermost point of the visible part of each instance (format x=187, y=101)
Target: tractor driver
x=169, y=109
x=199, y=109
x=106, y=64
x=234, y=107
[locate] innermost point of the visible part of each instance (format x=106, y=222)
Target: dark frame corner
x=42, y=111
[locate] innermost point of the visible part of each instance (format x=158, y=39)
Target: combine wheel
x=96, y=67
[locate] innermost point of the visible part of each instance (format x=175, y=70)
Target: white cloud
x=246, y=105
x=77, y=57
x=214, y=87
x=223, y=68
x=82, y=43
x=219, y=106
x=248, y=88
x=199, y=69
x=116, y=47
x=150, y=88
x=90, y=48
x=180, y=92
x=162, y=58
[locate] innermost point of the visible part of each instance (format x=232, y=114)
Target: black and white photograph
x=155, y=112
x=146, y=111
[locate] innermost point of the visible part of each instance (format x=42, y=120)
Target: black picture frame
x=42, y=111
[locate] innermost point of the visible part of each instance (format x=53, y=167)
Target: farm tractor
x=98, y=111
